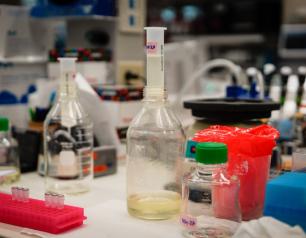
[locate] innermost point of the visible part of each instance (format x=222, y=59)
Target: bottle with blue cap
x=9, y=157
x=209, y=195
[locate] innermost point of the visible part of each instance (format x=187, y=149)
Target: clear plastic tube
x=14, y=192
x=67, y=69
x=47, y=199
x=155, y=61
x=26, y=193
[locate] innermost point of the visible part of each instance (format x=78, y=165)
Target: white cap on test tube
x=67, y=64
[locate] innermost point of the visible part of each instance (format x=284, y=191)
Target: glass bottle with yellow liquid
x=155, y=145
x=9, y=156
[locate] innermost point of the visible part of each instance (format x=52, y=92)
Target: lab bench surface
x=105, y=208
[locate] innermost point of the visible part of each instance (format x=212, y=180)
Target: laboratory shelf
x=76, y=18
x=225, y=39
x=24, y=60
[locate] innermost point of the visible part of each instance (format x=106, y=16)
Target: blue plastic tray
x=286, y=198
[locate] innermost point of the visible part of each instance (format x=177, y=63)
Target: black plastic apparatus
x=227, y=111
x=239, y=112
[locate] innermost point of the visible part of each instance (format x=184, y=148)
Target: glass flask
x=9, y=157
x=68, y=139
x=155, y=146
x=209, y=197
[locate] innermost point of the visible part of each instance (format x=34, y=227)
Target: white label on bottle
x=188, y=221
x=67, y=164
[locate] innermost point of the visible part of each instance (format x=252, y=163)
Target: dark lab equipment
x=29, y=144
x=105, y=160
x=228, y=111
x=231, y=110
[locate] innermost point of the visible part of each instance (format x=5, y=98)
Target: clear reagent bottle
x=9, y=157
x=209, y=196
x=155, y=144
x=68, y=138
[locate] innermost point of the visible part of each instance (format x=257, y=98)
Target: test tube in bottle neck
x=155, y=61
x=67, y=73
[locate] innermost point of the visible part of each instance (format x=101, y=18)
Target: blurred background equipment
x=264, y=39
x=235, y=63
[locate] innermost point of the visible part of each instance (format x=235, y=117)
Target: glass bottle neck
x=66, y=97
x=158, y=95
x=67, y=87
x=155, y=100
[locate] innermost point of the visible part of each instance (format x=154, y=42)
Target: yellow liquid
x=154, y=206
x=12, y=174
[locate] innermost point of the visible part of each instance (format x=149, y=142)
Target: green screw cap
x=211, y=153
x=4, y=124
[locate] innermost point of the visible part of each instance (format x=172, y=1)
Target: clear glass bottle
x=68, y=138
x=209, y=196
x=155, y=146
x=9, y=157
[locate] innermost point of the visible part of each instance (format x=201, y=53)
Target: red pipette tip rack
x=34, y=214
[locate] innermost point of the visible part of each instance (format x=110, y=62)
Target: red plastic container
x=34, y=214
x=224, y=201
x=249, y=152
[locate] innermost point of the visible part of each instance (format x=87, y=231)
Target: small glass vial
x=209, y=195
x=68, y=138
x=9, y=157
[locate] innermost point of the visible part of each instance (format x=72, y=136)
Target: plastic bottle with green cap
x=9, y=157
x=209, y=195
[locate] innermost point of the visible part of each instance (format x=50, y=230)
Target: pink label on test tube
x=152, y=47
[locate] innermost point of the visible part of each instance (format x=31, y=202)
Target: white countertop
x=105, y=208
